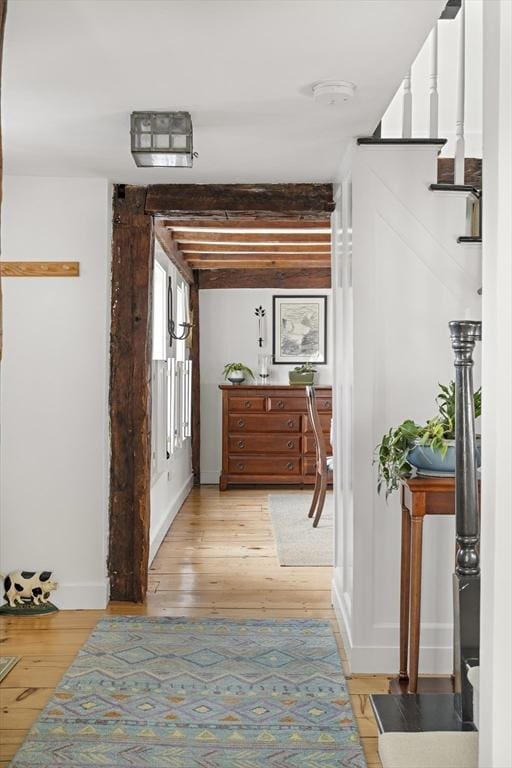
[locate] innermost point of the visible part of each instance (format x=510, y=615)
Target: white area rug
x=297, y=542
x=441, y=749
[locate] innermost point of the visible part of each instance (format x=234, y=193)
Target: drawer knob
x=241, y=444
x=290, y=444
x=290, y=423
x=241, y=423
x=327, y=403
x=280, y=404
x=289, y=465
x=241, y=465
x=248, y=404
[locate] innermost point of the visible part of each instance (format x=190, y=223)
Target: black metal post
x=466, y=579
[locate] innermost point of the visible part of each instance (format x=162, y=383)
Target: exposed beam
x=256, y=264
x=164, y=237
x=196, y=382
x=253, y=248
x=261, y=199
x=244, y=221
x=130, y=395
x=255, y=256
x=251, y=237
x=265, y=278
x=39, y=268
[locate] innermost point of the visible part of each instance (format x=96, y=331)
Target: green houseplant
x=302, y=374
x=236, y=373
x=430, y=448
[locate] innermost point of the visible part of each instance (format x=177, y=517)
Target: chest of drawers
x=266, y=435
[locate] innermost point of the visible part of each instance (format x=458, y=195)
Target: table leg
x=414, y=634
x=405, y=593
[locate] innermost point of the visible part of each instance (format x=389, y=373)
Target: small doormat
x=200, y=693
x=6, y=664
x=297, y=542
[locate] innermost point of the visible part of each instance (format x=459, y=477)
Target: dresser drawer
x=309, y=466
x=264, y=444
x=264, y=423
x=264, y=465
x=276, y=404
x=309, y=448
x=244, y=404
x=325, y=421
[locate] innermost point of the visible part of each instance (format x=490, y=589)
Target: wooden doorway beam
x=130, y=394
x=225, y=199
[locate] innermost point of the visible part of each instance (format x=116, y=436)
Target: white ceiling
x=75, y=69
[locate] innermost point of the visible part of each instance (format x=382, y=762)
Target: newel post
x=466, y=580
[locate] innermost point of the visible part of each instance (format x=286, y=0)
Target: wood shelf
x=40, y=268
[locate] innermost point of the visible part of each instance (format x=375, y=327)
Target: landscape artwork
x=299, y=329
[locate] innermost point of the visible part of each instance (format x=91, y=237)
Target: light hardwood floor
x=218, y=559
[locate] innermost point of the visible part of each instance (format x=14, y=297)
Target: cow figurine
x=23, y=586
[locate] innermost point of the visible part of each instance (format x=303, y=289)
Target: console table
x=266, y=435
x=420, y=496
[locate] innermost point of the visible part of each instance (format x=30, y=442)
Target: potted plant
x=302, y=374
x=429, y=448
x=236, y=373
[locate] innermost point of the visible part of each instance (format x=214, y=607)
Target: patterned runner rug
x=200, y=693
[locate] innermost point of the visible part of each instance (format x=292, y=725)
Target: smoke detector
x=333, y=91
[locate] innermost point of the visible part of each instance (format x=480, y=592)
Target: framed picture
x=299, y=325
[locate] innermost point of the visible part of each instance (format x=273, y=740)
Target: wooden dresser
x=266, y=435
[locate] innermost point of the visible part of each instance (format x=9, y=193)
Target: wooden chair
x=323, y=462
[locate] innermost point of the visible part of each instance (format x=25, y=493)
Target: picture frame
x=299, y=329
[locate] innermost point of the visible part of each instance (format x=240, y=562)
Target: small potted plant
x=302, y=374
x=236, y=373
x=429, y=448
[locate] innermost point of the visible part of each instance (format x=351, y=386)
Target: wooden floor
x=218, y=559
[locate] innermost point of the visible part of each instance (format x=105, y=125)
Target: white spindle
x=433, y=93
x=461, y=87
x=407, y=108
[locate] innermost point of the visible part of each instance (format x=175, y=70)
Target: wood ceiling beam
x=244, y=221
x=251, y=237
x=260, y=199
x=265, y=278
x=276, y=263
x=188, y=248
x=164, y=237
x=286, y=258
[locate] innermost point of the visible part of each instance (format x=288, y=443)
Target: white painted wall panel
x=54, y=384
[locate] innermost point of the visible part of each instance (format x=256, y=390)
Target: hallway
x=218, y=559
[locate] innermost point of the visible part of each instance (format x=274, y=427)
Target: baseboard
x=373, y=659
x=88, y=596
x=210, y=478
x=159, y=535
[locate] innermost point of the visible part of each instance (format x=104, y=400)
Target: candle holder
x=264, y=365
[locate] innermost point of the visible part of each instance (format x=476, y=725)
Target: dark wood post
x=196, y=382
x=130, y=394
x=466, y=580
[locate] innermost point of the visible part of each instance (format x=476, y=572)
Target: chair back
x=314, y=418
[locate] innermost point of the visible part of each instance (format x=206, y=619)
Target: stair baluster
x=461, y=96
x=407, y=108
x=433, y=92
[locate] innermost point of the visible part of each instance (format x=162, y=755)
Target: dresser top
x=255, y=387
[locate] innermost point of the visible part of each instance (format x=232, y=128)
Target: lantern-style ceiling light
x=162, y=139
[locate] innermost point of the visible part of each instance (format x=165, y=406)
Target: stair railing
x=466, y=579
x=433, y=93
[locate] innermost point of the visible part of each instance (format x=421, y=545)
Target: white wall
x=229, y=333
x=54, y=378
x=169, y=488
x=495, y=741
x=397, y=284
x=448, y=47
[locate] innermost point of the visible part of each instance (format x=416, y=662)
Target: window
x=171, y=371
